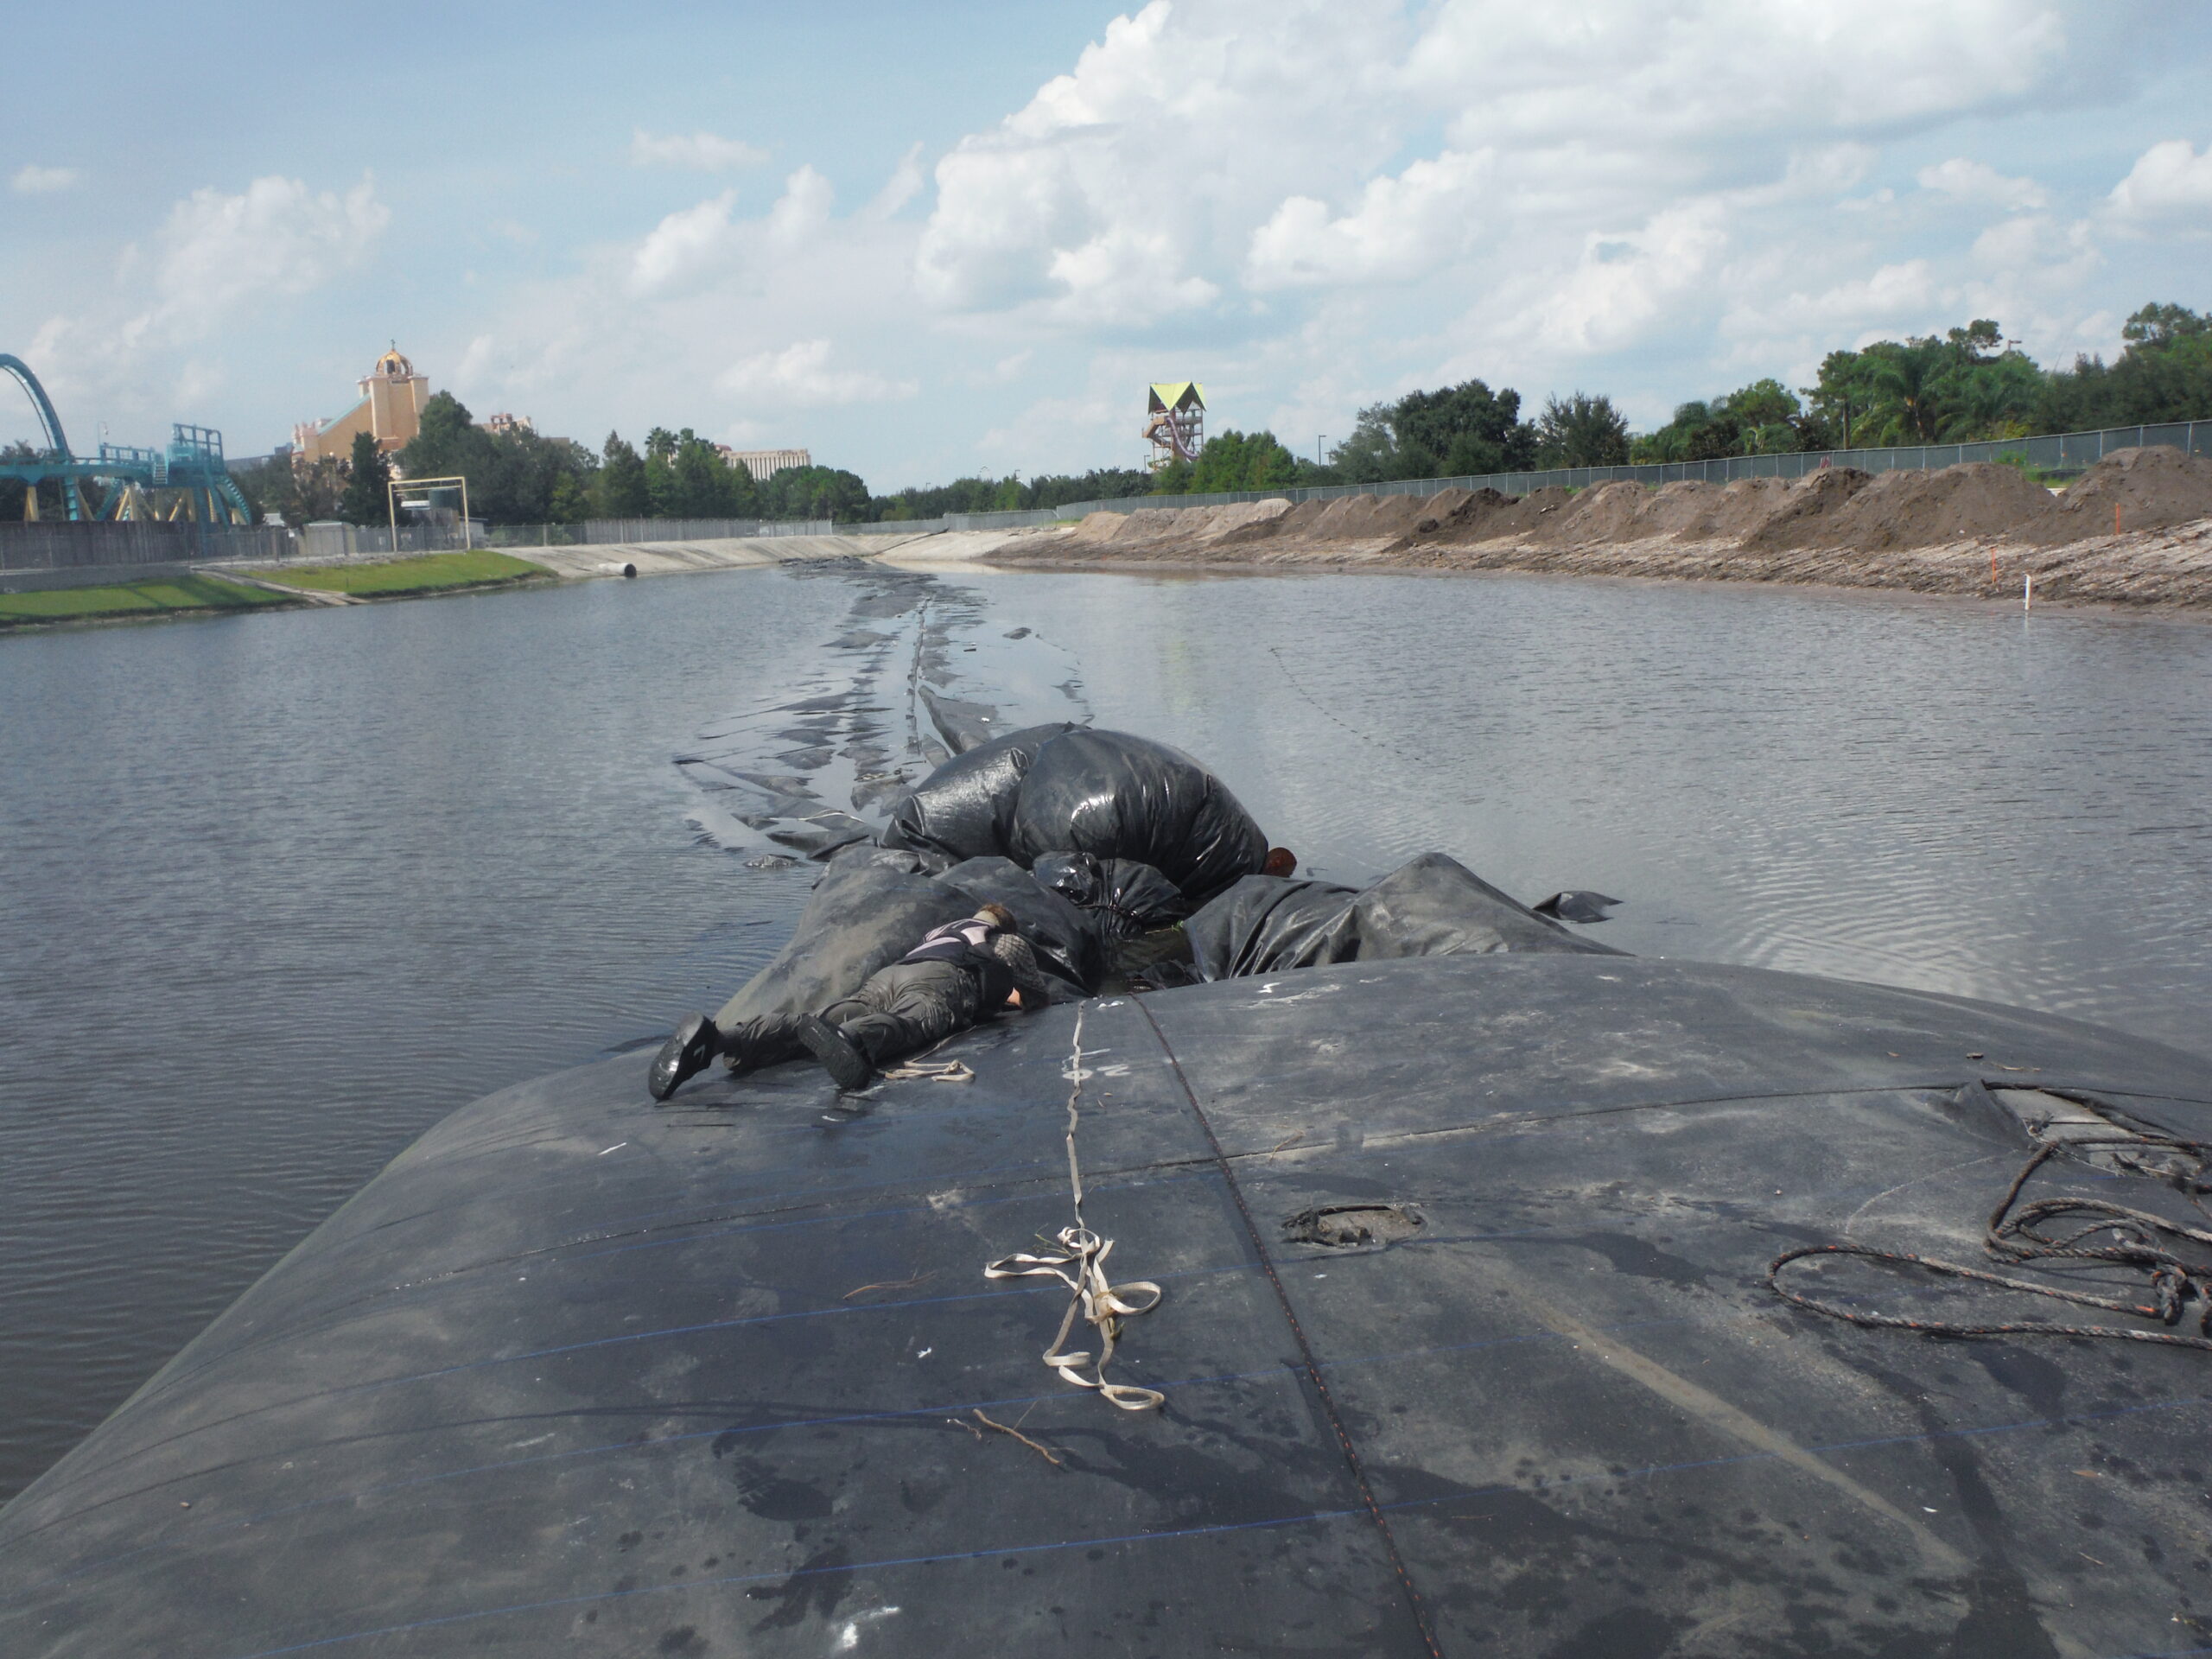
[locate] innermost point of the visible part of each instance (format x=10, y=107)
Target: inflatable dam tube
x=1465, y=1339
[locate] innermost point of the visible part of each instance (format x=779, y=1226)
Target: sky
x=927, y=241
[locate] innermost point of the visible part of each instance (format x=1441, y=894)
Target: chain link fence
x=61, y=545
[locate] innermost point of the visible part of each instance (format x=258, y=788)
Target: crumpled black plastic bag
x=1126, y=897
x=1267, y=923
x=1118, y=795
x=873, y=903
x=870, y=908
x=1433, y=906
x=965, y=808
x=1065, y=938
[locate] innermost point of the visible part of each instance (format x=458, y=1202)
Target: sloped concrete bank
x=582, y=563
x=2135, y=531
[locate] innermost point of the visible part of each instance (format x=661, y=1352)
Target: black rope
x=2043, y=1233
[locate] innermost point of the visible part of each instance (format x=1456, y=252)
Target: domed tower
x=391, y=411
x=395, y=395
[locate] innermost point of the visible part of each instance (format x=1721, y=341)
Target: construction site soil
x=2135, y=530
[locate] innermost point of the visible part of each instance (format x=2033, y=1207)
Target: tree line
x=521, y=477
x=1967, y=383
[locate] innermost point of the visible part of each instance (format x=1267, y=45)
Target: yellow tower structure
x=391, y=411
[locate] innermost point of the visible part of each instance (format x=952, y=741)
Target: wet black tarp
x=1125, y=896
x=1060, y=789
x=965, y=808
x=1118, y=795
x=578, y=1375
x=871, y=907
x=1431, y=907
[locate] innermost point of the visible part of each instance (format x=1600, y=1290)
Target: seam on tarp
x=1298, y=1334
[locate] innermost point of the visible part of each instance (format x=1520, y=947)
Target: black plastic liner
x=1466, y=1341
x=1116, y=796
x=1062, y=789
x=871, y=907
x=965, y=808
x=1432, y=906
x=1128, y=898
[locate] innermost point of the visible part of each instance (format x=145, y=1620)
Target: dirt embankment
x=1931, y=532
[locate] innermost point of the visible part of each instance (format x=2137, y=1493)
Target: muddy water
x=282, y=891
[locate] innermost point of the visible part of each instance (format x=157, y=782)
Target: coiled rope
x=1080, y=1264
x=2137, y=1244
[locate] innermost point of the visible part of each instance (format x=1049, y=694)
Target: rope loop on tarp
x=1080, y=1264
x=931, y=1071
x=2132, y=1239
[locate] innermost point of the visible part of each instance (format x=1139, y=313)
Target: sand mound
x=1806, y=515
x=1100, y=526
x=1837, y=509
x=1245, y=520
x=1901, y=509
x=1609, y=512
x=2153, y=488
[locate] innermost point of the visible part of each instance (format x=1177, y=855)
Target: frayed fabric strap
x=1080, y=1264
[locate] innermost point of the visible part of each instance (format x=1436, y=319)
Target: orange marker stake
x=2115, y=518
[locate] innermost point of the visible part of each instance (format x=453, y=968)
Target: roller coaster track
x=192, y=468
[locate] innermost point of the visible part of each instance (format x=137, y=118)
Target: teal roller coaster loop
x=191, y=467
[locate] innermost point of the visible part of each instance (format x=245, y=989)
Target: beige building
x=504, y=425
x=391, y=411
x=764, y=463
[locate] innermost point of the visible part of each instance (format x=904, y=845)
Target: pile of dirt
x=1974, y=502
x=1807, y=515
x=1776, y=529
x=2154, y=488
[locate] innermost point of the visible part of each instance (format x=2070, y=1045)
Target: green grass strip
x=133, y=599
x=421, y=575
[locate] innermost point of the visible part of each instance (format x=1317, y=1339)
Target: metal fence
x=328, y=539
x=607, y=532
x=2061, y=452
x=62, y=545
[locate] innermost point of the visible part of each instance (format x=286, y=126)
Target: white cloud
x=686, y=242
x=2169, y=182
x=800, y=374
x=705, y=152
x=1126, y=192
x=1403, y=226
x=31, y=180
x=277, y=240
x=1624, y=281
x=1632, y=71
x=201, y=292
x=1893, y=298
x=2037, y=243
x=905, y=183
x=1979, y=182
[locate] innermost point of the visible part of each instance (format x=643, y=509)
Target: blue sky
x=924, y=242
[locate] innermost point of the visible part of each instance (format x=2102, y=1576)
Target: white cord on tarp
x=1080, y=1264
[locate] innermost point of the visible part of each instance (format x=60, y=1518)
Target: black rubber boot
x=690, y=1048
x=843, y=1062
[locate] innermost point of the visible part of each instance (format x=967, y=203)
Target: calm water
x=280, y=891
